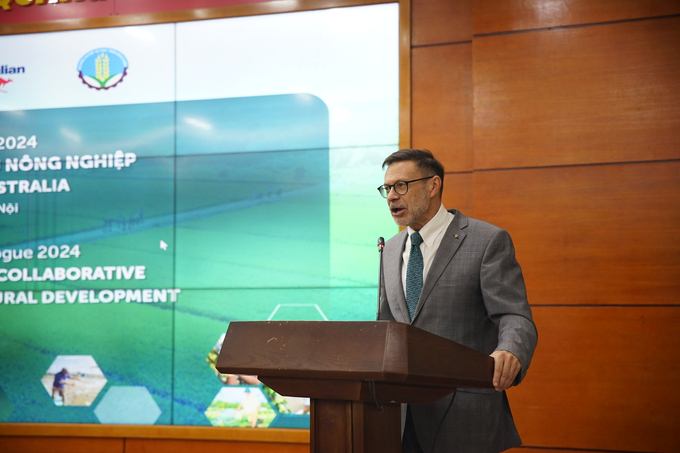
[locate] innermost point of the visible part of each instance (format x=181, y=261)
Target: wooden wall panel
x=605, y=93
x=602, y=378
x=63, y=11
x=590, y=235
x=551, y=450
x=440, y=21
x=493, y=16
x=94, y=430
x=154, y=6
x=20, y=444
x=442, y=104
x=458, y=193
x=183, y=446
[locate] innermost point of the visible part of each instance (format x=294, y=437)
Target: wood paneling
x=15, y=444
x=441, y=21
x=584, y=95
x=458, y=193
x=404, y=74
x=602, y=378
x=183, y=446
x=61, y=11
x=154, y=6
x=530, y=449
x=155, y=432
x=590, y=235
x=493, y=16
x=237, y=10
x=441, y=115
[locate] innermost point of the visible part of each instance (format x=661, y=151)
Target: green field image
x=359, y=215
x=5, y=406
x=239, y=246
x=115, y=218
x=261, y=219
x=131, y=344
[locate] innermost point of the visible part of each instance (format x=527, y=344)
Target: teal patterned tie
x=414, y=274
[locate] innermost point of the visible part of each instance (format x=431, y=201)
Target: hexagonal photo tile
x=287, y=404
x=291, y=412
x=128, y=405
x=212, y=359
x=240, y=406
x=73, y=380
x=297, y=312
x=229, y=379
x=286, y=412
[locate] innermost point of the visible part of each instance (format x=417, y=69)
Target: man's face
x=409, y=209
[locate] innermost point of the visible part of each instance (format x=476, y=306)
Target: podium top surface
x=382, y=351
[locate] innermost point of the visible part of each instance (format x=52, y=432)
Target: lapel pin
x=455, y=236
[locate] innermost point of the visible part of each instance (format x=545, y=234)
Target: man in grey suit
x=456, y=277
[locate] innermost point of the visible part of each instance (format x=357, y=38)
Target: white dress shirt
x=432, y=234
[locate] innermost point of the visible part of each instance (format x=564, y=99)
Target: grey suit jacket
x=473, y=294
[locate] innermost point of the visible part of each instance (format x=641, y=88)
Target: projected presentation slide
x=158, y=182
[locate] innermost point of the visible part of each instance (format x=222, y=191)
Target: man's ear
x=436, y=186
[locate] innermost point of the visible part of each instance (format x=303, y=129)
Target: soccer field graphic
x=138, y=221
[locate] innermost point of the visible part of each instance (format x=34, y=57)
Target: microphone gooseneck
x=381, y=246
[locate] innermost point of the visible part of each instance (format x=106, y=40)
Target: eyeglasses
x=401, y=187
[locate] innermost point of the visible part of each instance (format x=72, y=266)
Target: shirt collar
x=432, y=228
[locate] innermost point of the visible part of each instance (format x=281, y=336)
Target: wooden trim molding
x=252, y=9
x=155, y=432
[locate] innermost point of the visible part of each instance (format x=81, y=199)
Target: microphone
x=381, y=246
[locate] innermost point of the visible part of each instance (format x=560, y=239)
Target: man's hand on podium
x=506, y=367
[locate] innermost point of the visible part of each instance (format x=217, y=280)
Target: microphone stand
x=381, y=246
x=371, y=383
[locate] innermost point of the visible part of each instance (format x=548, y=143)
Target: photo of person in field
x=73, y=380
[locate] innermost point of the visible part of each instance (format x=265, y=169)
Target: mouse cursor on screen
x=164, y=246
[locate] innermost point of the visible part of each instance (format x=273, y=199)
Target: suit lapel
x=393, y=285
x=453, y=237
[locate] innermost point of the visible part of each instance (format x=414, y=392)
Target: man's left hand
x=506, y=367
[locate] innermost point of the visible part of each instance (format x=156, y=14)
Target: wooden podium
x=356, y=373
